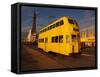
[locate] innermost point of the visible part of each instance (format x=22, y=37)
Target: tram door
x=74, y=44
x=46, y=40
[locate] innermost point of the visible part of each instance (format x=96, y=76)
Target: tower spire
x=33, y=23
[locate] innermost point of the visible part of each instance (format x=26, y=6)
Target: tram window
x=61, y=22
x=46, y=40
x=75, y=29
x=70, y=21
x=67, y=39
x=78, y=37
x=76, y=23
x=41, y=31
x=61, y=38
x=56, y=39
x=73, y=37
x=53, y=39
x=53, y=26
x=45, y=29
x=39, y=40
x=57, y=24
x=42, y=40
x=48, y=28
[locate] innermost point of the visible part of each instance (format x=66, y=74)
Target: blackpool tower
x=32, y=32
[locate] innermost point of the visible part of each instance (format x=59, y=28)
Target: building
x=31, y=37
x=87, y=36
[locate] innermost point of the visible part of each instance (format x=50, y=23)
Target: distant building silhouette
x=87, y=36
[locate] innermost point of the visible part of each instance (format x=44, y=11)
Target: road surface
x=34, y=59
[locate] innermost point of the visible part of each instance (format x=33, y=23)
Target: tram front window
x=74, y=38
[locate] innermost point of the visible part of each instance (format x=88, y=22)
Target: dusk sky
x=83, y=17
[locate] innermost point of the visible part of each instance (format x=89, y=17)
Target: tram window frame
x=71, y=21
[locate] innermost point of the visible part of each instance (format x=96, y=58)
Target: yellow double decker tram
x=60, y=36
